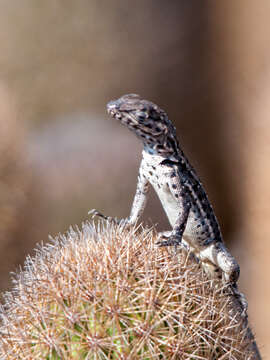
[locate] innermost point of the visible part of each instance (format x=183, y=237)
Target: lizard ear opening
x=171, y=145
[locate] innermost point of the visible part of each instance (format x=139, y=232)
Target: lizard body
x=189, y=212
x=178, y=187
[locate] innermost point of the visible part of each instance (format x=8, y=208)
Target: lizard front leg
x=138, y=205
x=139, y=200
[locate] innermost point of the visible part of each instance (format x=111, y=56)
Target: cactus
x=106, y=292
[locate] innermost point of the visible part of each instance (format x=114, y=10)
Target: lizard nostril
x=112, y=105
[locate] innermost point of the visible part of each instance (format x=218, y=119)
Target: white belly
x=158, y=179
x=168, y=202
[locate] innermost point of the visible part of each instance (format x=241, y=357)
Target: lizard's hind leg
x=220, y=258
x=218, y=262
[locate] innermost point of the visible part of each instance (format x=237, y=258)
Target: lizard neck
x=150, y=153
x=156, y=158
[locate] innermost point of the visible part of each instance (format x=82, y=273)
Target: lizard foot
x=242, y=300
x=121, y=222
x=231, y=289
x=95, y=213
x=169, y=239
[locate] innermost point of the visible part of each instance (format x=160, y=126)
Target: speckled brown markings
x=166, y=168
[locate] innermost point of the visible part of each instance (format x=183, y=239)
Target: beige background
x=206, y=63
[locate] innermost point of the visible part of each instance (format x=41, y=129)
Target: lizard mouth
x=113, y=110
x=114, y=114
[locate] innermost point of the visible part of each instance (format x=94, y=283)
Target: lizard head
x=148, y=122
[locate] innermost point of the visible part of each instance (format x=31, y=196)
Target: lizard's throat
x=157, y=149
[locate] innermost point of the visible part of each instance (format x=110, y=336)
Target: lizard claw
x=95, y=213
x=121, y=222
x=169, y=242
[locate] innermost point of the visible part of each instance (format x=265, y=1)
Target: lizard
x=182, y=195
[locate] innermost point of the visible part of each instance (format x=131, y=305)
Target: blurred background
x=206, y=63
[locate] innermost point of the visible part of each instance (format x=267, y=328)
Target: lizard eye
x=148, y=125
x=154, y=115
